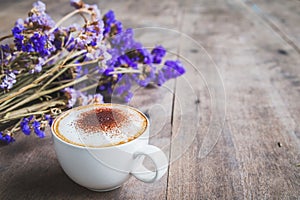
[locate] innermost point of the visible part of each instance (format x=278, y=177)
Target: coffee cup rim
x=97, y=147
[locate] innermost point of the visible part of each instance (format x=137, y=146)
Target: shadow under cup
x=106, y=167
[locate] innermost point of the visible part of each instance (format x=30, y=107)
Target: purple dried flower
x=111, y=25
x=39, y=6
x=109, y=17
x=160, y=78
x=6, y=138
x=90, y=36
x=173, y=69
x=38, y=66
x=39, y=18
x=17, y=30
x=123, y=85
x=38, y=41
x=147, y=76
x=124, y=44
x=96, y=53
x=158, y=53
x=96, y=98
x=7, y=54
x=78, y=70
x=125, y=61
x=118, y=27
x=25, y=125
x=17, y=33
x=49, y=118
x=8, y=81
x=78, y=97
x=76, y=3
x=72, y=96
x=89, y=99
x=106, y=87
x=37, y=129
x=70, y=44
x=95, y=9
x=127, y=97
x=40, y=44
x=144, y=55
x=108, y=71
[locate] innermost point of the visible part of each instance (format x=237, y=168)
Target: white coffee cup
x=107, y=168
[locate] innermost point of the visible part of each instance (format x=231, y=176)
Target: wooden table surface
x=230, y=125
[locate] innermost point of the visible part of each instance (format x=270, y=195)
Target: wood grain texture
x=281, y=20
x=256, y=154
x=43, y=178
x=247, y=162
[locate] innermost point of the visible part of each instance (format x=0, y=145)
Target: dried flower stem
x=125, y=71
x=24, y=115
x=38, y=95
x=6, y=103
x=82, y=10
x=6, y=37
x=84, y=63
x=22, y=90
x=60, y=72
x=15, y=128
x=28, y=110
x=57, y=67
x=12, y=103
x=40, y=78
x=53, y=57
x=89, y=87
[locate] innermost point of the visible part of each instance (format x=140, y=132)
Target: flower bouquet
x=46, y=68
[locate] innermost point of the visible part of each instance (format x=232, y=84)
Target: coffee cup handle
x=157, y=157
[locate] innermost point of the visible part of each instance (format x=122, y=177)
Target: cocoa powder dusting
x=100, y=119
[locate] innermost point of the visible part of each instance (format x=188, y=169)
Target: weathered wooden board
x=29, y=167
x=256, y=154
x=281, y=18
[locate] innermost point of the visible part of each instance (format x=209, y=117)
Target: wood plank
x=257, y=152
x=33, y=171
x=283, y=19
x=247, y=162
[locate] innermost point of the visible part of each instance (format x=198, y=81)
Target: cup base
x=104, y=190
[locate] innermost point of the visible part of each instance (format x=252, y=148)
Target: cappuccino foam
x=100, y=125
